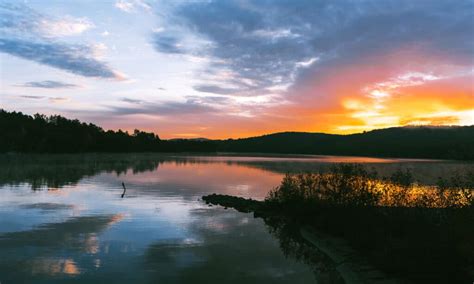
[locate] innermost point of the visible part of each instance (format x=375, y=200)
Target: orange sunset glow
x=236, y=141
x=237, y=69
x=399, y=88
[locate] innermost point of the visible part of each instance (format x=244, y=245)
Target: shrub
x=352, y=185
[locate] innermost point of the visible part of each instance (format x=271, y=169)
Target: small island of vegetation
x=406, y=230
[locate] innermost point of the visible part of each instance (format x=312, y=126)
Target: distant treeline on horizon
x=55, y=134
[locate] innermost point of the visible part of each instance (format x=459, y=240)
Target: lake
x=62, y=217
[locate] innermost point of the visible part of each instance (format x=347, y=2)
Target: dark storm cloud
x=268, y=42
x=21, y=36
x=48, y=84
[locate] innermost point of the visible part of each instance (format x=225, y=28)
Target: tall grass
x=352, y=185
x=410, y=231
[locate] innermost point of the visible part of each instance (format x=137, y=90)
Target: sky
x=230, y=69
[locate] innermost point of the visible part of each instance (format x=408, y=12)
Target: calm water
x=62, y=218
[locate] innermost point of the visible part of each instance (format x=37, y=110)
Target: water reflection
x=226, y=248
x=39, y=251
x=74, y=225
x=294, y=246
x=74, y=233
x=53, y=266
x=56, y=171
x=396, y=224
x=47, y=206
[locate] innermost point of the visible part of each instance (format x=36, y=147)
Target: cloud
x=29, y=35
x=19, y=18
x=48, y=84
x=215, y=89
x=67, y=26
x=332, y=66
x=168, y=44
x=130, y=6
x=132, y=101
x=287, y=42
x=51, y=99
x=32, y=97
x=213, y=100
x=76, y=59
x=124, y=6
x=162, y=109
x=58, y=99
x=201, y=107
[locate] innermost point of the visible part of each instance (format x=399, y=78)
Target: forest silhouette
x=56, y=134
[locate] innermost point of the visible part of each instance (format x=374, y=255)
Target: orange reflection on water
x=116, y=218
x=217, y=177
x=54, y=266
x=91, y=244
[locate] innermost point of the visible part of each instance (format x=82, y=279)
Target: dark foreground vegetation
x=410, y=232
x=56, y=134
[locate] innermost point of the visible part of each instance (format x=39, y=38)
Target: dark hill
x=455, y=142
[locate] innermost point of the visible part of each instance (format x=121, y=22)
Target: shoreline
x=367, y=244
x=350, y=266
x=263, y=155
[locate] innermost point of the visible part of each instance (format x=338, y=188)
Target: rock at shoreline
x=238, y=203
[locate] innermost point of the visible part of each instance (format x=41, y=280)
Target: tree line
x=56, y=134
x=438, y=142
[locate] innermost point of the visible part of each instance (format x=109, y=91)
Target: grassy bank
x=409, y=231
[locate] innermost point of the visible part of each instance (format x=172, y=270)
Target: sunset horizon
x=258, y=133
x=236, y=141
x=234, y=69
